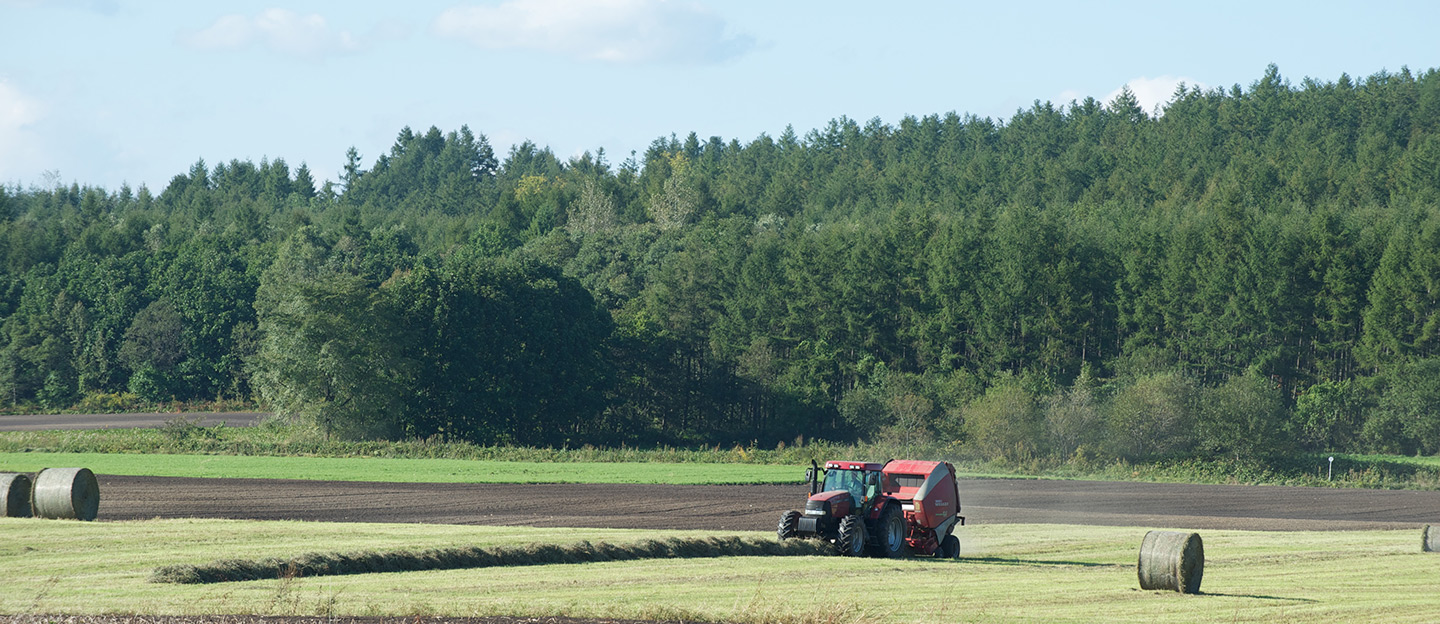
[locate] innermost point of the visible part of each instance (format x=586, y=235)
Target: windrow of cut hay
x=367, y=562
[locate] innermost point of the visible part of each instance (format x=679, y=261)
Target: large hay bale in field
x=1172, y=560
x=1430, y=539
x=71, y=493
x=14, y=495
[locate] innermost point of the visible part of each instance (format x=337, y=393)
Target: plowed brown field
x=758, y=507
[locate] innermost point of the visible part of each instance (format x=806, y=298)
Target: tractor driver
x=852, y=481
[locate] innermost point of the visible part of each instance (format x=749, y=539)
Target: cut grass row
x=1009, y=573
x=474, y=557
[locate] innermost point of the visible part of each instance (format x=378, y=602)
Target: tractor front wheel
x=851, y=542
x=889, y=533
x=950, y=548
x=789, y=525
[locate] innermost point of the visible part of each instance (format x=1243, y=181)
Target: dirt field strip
x=757, y=507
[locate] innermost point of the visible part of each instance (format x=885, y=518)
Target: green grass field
x=1424, y=461
x=1009, y=573
x=403, y=470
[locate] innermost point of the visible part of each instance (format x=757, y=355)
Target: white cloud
x=17, y=113
x=16, y=110
x=616, y=31
x=283, y=31
x=1069, y=95
x=1153, y=93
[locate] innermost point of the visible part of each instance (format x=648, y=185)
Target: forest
x=1251, y=272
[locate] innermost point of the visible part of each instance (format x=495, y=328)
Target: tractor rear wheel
x=789, y=525
x=851, y=542
x=889, y=537
x=950, y=548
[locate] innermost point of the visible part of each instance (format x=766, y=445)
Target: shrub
x=1005, y=423
x=109, y=403
x=1152, y=417
x=1243, y=418
x=1329, y=415
x=1073, y=418
x=863, y=411
x=1407, y=418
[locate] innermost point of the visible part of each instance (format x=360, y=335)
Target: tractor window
x=852, y=481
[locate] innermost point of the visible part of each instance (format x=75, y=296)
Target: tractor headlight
x=817, y=508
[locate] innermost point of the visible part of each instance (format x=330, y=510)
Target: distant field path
x=38, y=422
x=757, y=507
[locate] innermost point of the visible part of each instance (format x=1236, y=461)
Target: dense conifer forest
x=1254, y=271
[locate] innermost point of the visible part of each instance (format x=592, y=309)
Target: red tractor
x=886, y=509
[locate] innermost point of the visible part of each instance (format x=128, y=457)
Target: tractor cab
x=848, y=487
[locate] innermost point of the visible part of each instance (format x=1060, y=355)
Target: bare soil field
x=40, y=422
x=757, y=507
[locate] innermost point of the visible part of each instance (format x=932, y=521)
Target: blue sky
x=109, y=91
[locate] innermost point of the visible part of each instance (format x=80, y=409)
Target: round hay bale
x=14, y=495
x=1430, y=539
x=1172, y=560
x=66, y=493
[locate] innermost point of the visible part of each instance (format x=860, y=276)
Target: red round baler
x=885, y=510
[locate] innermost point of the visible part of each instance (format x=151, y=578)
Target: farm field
x=278, y=439
x=1058, y=573
x=1036, y=550
x=403, y=470
x=755, y=507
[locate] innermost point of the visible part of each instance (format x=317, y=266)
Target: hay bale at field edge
x=1430, y=539
x=14, y=495
x=1171, y=560
x=66, y=493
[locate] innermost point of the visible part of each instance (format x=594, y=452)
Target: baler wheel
x=889, y=537
x=950, y=548
x=851, y=542
x=789, y=525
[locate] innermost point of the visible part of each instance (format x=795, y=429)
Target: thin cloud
x=16, y=109
x=613, y=31
x=17, y=112
x=1153, y=94
x=285, y=32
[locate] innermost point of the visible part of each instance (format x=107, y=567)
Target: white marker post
x=1331, y=470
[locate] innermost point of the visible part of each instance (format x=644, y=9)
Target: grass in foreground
x=1009, y=573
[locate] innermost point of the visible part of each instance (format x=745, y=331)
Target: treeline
x=1253, y=271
